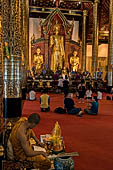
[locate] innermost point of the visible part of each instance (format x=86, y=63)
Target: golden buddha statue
x=57, y=45
x=40, y=83
x=56, y=138
x=74, y=61
x=48, y=84
x=38, y=59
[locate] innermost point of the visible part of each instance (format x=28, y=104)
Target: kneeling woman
x=45, y=101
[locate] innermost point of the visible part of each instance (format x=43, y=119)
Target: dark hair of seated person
x=32, y=89
x=66, y=94
x=45, y=91
x=95, y=98
x=34, y=118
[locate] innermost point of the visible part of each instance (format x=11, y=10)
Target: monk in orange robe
x=22, y=149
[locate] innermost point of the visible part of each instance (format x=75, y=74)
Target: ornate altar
x=56, y=44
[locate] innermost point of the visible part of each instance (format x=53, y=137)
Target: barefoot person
x=19, y=138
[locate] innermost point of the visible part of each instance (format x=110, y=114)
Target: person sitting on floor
x=45, y=101
x=88, y=94
x=92, y=107
x=99, y=95
x=69, y=105
x=22, y=149
x=32, y=95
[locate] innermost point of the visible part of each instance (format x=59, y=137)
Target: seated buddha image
x=74, y=61
x=38, y=59
x=57, y=48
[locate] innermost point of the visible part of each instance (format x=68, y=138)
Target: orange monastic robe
x=39, y=161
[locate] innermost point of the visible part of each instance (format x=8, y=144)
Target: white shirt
x=60, y=82
x=32, y=95
x=99, y=95
x=88, y=93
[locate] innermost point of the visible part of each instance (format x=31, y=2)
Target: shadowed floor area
x=90, y=136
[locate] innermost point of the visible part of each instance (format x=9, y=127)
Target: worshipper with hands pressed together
x=92, y=107
x=32, y=95
x=19, y=138
x=45, y=101
x=69, y=105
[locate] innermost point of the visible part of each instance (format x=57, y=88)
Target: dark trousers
x=89, y=112
x=74, y=111
x=66, y=90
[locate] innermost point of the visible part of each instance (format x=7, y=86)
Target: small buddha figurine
x=38, y=59
x=48, y=84
x=40, y=83
x=74, y=61
x=57, y=130
x=56, y=138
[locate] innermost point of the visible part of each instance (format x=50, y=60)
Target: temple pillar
x=95, y=37
x=12, y=39
x=25, y=32
x=83, y=62
x=110, y=47
x=1, y=68
x=25, y=45
x=47, y=62
x=66, y=64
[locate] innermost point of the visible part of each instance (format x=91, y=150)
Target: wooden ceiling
x=80, y=5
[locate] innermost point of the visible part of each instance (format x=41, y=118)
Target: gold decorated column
x=12, y=39
x=110, y=47
x=6, y=65
x=25, y=32
x=25, y=41
x=95, y=37
x=46, y=50
x=66, y=64
x=83, y=62
x=1, y=67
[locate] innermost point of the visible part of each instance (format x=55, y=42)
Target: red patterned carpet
x=90, y=136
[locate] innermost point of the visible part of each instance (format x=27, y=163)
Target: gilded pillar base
x=13, y=107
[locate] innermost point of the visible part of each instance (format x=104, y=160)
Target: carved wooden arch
x=66, y=30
